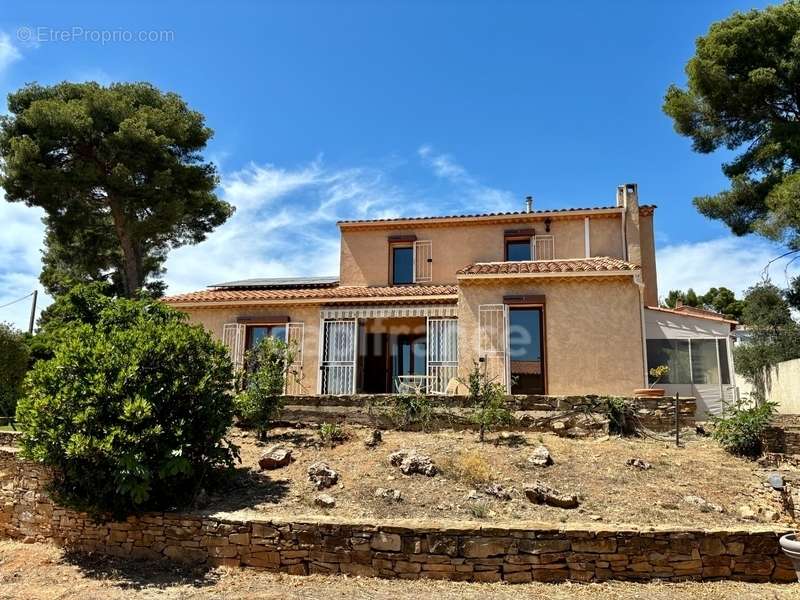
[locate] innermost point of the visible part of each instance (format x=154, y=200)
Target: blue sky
x=327, y=110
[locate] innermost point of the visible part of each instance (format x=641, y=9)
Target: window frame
x=393, y=246
x=719, y=343
x=516, y=240
x=248, y=331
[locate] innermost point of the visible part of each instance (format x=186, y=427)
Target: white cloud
x=472, y=195
x=284, y=223
x=21, y=241
x=8, y=52
x=733, y=262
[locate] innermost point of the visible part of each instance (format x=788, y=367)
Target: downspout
x=637, y=279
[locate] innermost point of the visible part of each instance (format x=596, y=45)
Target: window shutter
x=423, y=261
x=233, y=335
x=295, y=338
x=543, y=247
x=492, y=341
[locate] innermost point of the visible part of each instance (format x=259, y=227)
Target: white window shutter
x=295, y=338
x=543, y=247
x=233, y=336
x=493, y=341
x=423, y=261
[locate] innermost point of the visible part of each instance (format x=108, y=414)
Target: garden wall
x=404, y=549
x=536, y=413
x=782, y=439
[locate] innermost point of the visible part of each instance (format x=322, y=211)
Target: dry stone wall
x=532, y=412
x=405, y=550
x=782, y=439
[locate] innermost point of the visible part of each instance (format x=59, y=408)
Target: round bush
x=131, y=410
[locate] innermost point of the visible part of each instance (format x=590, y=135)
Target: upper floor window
x=530, y=247
x=402, y=265
x=518, y=249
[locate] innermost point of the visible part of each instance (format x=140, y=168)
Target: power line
x=17, y=300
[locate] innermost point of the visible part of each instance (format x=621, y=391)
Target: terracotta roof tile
x=691, y=311
x=572, y=265
x=313, y=293
x=646, y=208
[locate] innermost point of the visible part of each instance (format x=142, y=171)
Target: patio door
x=526, y=349
x=442, y=353
x=493, y=341
x=338, y=364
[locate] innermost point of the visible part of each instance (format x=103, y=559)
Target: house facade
x=548, y=302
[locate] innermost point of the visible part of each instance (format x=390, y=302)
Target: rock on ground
x=322, y=476
x=638, y=463
x=325, y=501
x=374, y=439
x=540, y=457
x=410, y=462
x=275, y=458
x=541, y=493
x=704, y=504
x=498, y=491
x=388, y=494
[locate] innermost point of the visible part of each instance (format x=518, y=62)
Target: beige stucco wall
x=365, y=253
x=783, y=386
x=648, y=249
x=592, y=327
x=214, y=318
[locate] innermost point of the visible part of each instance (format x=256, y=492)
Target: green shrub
x=411, y=411
x=331, y=434
x=131, y=410
x=488, y=400
x=740, y=428
x=267, y=367
x=13, y=366
x=620, y=415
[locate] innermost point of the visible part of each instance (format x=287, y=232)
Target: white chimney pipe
x=528, y=203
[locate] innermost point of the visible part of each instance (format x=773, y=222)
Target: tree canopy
x=120, y=175
x=721, y=300
x=774, y=336
x=743, y=94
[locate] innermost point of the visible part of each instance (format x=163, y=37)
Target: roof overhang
x=692, y=315
x=442, y=298
x=410, y=222
x=550, y=275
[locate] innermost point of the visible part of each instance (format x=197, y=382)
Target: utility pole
x=33, y=311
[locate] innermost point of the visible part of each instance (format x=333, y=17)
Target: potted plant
x=657, y=374
x=791, y=548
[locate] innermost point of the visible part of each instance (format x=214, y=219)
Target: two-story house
x=548, y=302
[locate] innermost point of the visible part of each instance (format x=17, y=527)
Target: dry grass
x=39, y=572
x=594, y=469
x=467, y=467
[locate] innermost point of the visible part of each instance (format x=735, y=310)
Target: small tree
x=487, y=398
x=131, y=411
x=740, y=428
x=13, y=366
x=267, y=369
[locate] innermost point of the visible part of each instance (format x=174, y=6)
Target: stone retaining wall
x=532, y=412
x=782, y=439
x=9, y=438
x=515, y=553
